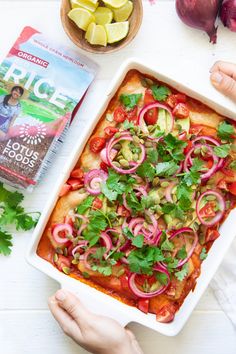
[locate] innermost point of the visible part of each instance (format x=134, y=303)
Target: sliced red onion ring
x=103, y=155
x=213, y=141
x=219, y=214
x=136, y=164
x=195, y=241
x=93, y=179
x=107, y=241
x=80, y=245
x=86, y=255
x=214, y=167
x=141, y=294
x=145, y=109
x=67, y=228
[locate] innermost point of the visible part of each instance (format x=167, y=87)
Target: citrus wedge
x=124, y=12
x=86, y=4
x=96, y=34
x=81, y=17
x=116, y=4
x=103, y=15
x=116, y=31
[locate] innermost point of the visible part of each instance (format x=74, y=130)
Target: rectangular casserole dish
x=100, y=302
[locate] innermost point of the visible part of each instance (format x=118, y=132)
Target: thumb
x=72, y=305
x=225, y=84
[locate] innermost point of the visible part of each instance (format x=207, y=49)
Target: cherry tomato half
x=110, y=131
x=120, y=114
x=75, y=183
x=232, y=188
x=143, y=305
x=181, y=111
x=77, y=173
x=97, y=144
x=151, y=116
x=208, y=210
x=97, y=203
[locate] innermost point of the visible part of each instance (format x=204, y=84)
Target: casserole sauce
x=145, y=200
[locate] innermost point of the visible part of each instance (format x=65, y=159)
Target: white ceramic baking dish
x=96, y=300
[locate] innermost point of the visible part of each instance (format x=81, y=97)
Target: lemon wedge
x=103, y=15
x=116, y=4
x=116, y=31
x=81, y=17
x=86, y=4
x=124, y=12
x=96, y=34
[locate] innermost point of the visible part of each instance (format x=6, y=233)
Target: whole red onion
x=199, y=14
x=228, y=14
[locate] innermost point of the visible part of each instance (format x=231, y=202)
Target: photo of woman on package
x=10, y=108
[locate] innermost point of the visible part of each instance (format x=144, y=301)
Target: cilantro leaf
x=152, y=156
x=222, y=150
x=97, y=223
x=146, y=170
x=142, y=260
x=203, y=254
x=184, y=195
x=194, y=176
x=110, y=194
x=167, y=245
x=130, y=101
x=161, y=277
x=166, y=169
x=225, y=131
x=85, y=205
x=174, y=210
x=180, y=275
x=26, y=221
x=5, y=243
x=182, y=253
x=128, y=125
x=138, y=241
x=160, y=93
x=103, y=269
x=133, y=202
x=175, y=147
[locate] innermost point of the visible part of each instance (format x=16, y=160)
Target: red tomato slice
x=212, y=235
x=208, y=210
x=166, y=313
x=110, y=131
x=97, y=144
x=97, y=203
x=232, y=188
x=75, y=183
x=181, y=97
x=181, y=111
x=122, y=211
x=172, y=101
x=120, y=114
x=188, y=147
x=143, y=305
x=77, y=173
x=65, y=189
x=132, y=114
x=104, y=166
x=151, y=116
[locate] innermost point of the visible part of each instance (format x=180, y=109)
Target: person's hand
x=223, y=78
x=97, y=334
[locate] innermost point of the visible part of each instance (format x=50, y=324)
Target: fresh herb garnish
x=85, y=205
x=160, y=93
x=130, y=101
x=180, y=275
x=146, y=170
x=222, y=150
x=182, y=253
x=152, y=156
x=138, y=241
x=225, y=131
x=142, y=260
x=166, y=169
x=12, y=213
x=97, y=223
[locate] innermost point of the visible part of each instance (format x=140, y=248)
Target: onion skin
x=200, y=14
x=228, y=14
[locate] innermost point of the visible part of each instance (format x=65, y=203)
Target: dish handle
x=96, y=305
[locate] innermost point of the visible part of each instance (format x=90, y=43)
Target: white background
x=26, y=326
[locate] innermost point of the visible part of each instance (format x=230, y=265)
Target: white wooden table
x=26, y=326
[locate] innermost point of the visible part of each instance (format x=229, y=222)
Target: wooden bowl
x=78, y=36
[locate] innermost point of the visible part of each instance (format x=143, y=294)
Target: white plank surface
x=26, y=326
